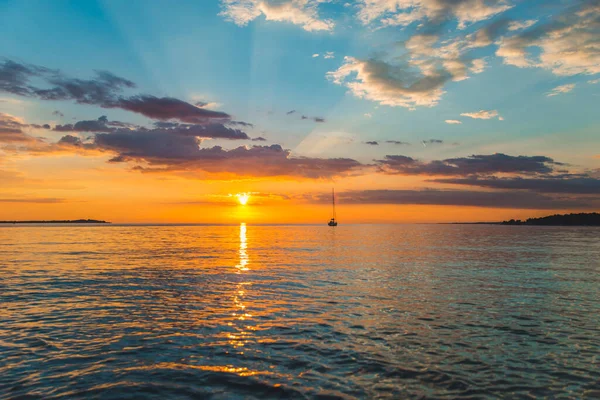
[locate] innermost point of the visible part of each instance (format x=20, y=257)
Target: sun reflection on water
x=241, y=337
x=242, y=266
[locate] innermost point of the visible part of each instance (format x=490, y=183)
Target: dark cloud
x=178, y=152
x=99, y=125
x=290, y=112
x=504, y=199
x=397, y=142
x=241, y=123
x=475, y=164
x=573, y=184
x=165, y=125
x=71, y=140
x=164, y=108
x=58, y=114
x=259, y=139
x=104, y=90
x=14, y=77
x=372, y=143
x=11, y=130
x=316, y=119
x=208, y=131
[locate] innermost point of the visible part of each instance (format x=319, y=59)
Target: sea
x=299, y=312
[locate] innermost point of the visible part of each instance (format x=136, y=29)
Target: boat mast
x=333, y=201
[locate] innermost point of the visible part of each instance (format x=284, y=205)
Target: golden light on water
x=243, y=198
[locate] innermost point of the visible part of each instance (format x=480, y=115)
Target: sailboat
x=332, y=221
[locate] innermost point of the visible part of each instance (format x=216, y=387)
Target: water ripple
x=355, y=312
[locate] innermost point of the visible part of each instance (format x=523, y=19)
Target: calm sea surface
x=226, y=312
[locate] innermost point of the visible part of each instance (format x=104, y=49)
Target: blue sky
x=260, y=71
x=479, y=77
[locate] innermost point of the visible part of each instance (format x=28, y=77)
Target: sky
x=413, y=110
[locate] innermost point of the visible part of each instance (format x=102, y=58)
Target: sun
x=243, y=198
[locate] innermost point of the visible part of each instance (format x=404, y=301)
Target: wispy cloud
x=520, y=25
x=398, y=142
x=482, y=114
x=35, y=200
x=453, y=122
x=561, y=89
x=406, y=12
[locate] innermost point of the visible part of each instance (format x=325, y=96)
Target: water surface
x=225, y=312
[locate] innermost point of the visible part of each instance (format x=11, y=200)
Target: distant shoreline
x=581, y=219
x=66, y=221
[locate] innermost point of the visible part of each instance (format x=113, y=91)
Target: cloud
x=164, y=108
x=290, y=112
x=58, y=114
x=453, y=122
x=42, y=200
x=502, y=199
x=431, y=141
x=568, y=44
x=259, y=139
x=329, y=55
x=258, y=199
x=101, y=124
x=520, y=25
x=12, y=130
x=315, y=55
x=482, y=114
x=240, y=123
x=572, y=184
x=464, y=166
x=372, y=143
x=206, y=131
x=388, y=84
x=103, y=90
x=561, y=89
x=167, y=149
x=304, y=13
x=406, y=12
x=209, y=106
x=478, y=66
x=316, y=119
x=398, y=142
x=416, y=71
x=594, y=81
x=368, y=115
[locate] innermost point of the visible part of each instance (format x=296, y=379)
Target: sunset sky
x=414, y=110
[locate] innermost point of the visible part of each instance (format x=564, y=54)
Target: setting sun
x=243, y=198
